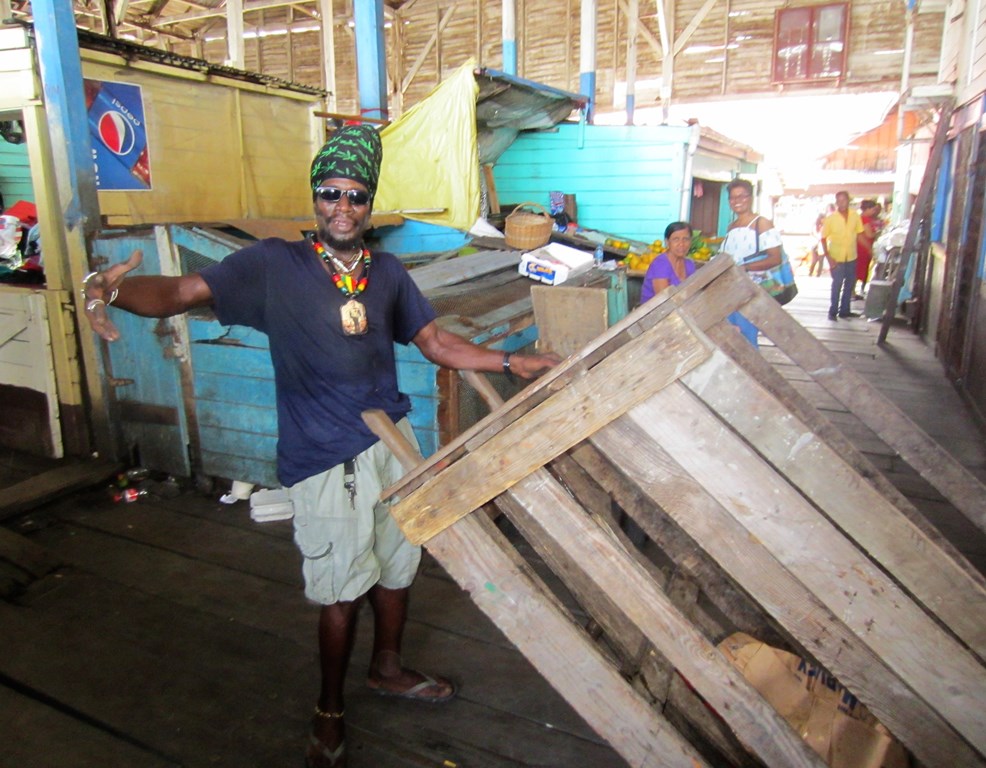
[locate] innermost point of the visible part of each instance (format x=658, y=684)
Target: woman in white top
x=743, y=236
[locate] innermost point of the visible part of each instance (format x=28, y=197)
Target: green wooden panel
x=15, y=174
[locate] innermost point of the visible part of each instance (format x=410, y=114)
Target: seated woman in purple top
x=672, y=266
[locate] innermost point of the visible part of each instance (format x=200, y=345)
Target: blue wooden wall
x=15, y=174
x=233, y=419
x=627, y=180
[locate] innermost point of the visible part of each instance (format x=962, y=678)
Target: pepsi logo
x=116, y=133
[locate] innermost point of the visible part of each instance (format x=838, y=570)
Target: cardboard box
x=554, y=263
x=833, y=722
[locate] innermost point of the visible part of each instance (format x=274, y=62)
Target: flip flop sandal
x=323, y=752
x=414, y=692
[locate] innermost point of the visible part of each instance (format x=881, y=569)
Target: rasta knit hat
x=353, y=152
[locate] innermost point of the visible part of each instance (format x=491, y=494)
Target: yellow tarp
x=431, y=157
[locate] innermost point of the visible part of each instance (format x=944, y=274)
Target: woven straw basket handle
x=543, y=211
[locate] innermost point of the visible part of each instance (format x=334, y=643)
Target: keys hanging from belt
x=349, y=480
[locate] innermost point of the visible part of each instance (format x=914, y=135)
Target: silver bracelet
x=85, y=298
x=91, y=306
x=85, y=282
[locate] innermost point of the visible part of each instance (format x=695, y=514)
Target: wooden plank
x=836, y=489
x=821, y=633
x=639, y=320
x=932, y=462
x=592, y=548
x=463, y=268
x=625, y=632
x=681, y=549
x=65, y=739
x=502, y=584
x=286, y=229
x=25, y=554
x=637, y=369
x=474, y=553
x=11, y=325
x=930, y=661
x=54, y=483
x=626, y=639
x=801, y=408
x=491, y=188
x=568, y=318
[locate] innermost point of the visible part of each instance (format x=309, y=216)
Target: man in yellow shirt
x=839, y=231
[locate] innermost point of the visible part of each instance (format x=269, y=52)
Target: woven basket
x=526, y=231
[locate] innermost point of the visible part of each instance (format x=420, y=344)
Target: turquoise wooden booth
x=631, y=181
x=194, y=398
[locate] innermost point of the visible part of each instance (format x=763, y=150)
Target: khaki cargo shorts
x=349, y=546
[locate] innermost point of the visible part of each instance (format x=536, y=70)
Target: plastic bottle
x=129, y=495
x=597, y=257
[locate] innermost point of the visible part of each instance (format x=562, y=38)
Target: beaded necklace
x=352, y=314
x=341, y=277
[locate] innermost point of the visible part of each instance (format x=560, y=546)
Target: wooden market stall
x=195, y=398
x=206, y=143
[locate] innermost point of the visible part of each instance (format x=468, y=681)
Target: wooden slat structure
x=758, y=503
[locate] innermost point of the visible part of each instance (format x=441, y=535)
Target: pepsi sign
x=118, y=134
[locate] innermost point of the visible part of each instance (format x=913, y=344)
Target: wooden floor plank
x=46, y=735
x=53, y=483
x=267, y=677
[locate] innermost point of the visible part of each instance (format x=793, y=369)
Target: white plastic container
x=270, y=505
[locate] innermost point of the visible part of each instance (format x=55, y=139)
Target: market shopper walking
x=839, y=233
x=332, y=311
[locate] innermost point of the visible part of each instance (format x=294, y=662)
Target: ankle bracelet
x=329, y=715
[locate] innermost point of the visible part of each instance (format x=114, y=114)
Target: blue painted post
x=75, y=174
x=587, y=58
x=65, y=104
x=509, y=37
x=371, y=62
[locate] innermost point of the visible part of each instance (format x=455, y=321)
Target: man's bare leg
x=336, y=631
x=387, y=675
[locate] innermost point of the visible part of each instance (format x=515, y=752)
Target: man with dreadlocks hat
x=332, y=311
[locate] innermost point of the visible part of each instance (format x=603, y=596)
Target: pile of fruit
x=701, y=250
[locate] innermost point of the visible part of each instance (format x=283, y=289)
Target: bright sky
x=792, y=132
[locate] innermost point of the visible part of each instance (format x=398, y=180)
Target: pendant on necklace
x=353, y=315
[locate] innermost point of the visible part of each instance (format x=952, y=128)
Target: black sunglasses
x=334, y=195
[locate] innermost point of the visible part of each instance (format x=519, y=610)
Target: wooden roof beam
x=697, y=19
x=248, y=7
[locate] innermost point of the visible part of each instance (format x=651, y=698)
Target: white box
x=554, y=263
x=270, y=505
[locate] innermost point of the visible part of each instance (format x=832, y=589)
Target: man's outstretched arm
x=446, y=348
x=148, y=296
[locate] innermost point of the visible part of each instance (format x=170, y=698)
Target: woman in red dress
x=869, y=212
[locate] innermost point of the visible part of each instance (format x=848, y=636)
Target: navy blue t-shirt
x=323, y=378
